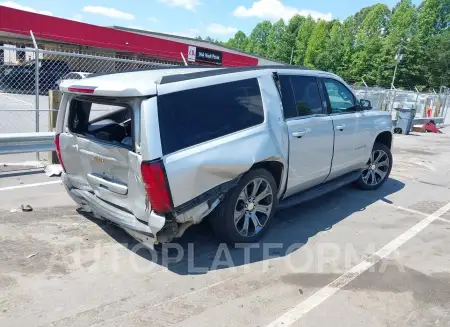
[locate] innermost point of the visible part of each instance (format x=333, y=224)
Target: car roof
x=144, y=82
x=131, y=83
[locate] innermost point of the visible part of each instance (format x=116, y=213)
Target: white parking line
x=6, y=95
x=293, y=315
x=7, y=188
x=420, y=213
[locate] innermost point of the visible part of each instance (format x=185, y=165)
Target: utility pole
x=292, y=56
x=398, y=58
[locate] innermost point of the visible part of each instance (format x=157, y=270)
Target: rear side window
x=190, y=117
x=287, y=97
x=307, y=97
x=300, y=96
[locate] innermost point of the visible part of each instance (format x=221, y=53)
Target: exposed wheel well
x=384, y=138
x=274, y=167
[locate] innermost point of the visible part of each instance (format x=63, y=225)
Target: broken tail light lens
x=156, y=186
x=58, y=151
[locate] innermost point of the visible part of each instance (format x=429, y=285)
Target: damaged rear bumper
x=103, y=210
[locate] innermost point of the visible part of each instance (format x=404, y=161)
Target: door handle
x=340, y=127
x=299, y=134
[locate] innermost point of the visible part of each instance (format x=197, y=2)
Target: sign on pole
x=196, y=54
x=192, y=53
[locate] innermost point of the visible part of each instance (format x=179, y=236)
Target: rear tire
x=247, y=210
x=377, y=169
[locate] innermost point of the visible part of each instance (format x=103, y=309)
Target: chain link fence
x=426, y=104
x=27, y=75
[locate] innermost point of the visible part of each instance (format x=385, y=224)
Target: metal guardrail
x=26, y=142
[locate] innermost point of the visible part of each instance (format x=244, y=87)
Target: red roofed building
x=62, y=34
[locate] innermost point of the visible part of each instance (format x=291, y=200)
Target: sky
x=219, y=19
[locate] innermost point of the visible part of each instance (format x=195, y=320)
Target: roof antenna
x=182, y=56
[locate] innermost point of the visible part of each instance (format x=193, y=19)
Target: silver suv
x=157, y=151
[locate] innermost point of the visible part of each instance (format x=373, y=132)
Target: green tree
x=403, y=23
x=348, y=31
x=257, y=41
x=401, y=39
x=276, y=48
x=434, y=18
x=331, y=58
x=365, y=45
x=239, y=41
x=433, y=27
x=369, y=40
x=316, y=44
x=438, y=64
x=302, y=39
x=290, y=36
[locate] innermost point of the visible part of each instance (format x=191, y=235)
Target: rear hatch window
x=104, y=119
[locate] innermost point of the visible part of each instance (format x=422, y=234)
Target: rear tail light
x=82, y=89
x=156, y=186
x=58, y=151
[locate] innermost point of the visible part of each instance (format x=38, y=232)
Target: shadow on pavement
x=198, y=251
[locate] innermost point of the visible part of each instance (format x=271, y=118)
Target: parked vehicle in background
x=22, y=78
x=179, y=145
x=72, y=76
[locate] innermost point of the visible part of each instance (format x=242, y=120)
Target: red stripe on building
x=63, y=30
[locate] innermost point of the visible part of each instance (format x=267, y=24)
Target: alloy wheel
x=253, y=207
x=376, y=169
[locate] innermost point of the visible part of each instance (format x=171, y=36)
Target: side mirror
x=365, y=104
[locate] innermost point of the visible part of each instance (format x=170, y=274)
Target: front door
x=349, y=144
x=310, y=132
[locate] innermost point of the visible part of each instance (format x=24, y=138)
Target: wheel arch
x=276, y=168
x=384, y=138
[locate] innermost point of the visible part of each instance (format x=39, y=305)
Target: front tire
x=247, y=210
x=377, y=169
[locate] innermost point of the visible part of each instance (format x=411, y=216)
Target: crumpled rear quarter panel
x=196, y=170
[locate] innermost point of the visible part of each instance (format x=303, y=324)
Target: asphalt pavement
x=350, y=258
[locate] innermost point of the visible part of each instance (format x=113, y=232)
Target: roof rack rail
x=226, y=70
x=148, y=69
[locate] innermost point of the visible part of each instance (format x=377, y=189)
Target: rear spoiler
x=108, y=88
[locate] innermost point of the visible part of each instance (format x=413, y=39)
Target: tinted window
x=300, y=96
x=341, y=99
x=194, y=116
x=306, y=94
x=287, y=97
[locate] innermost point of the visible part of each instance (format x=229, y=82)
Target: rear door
x=349, y=143
x=98, y=149
x=310, y=132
